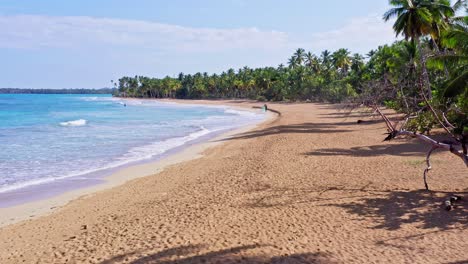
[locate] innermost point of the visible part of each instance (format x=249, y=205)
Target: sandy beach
x=309, y=186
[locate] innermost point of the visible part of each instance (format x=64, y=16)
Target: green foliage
x=333, y=77
x=423, y=123
x=441, y=38
x=432, y=62
x=391, y=104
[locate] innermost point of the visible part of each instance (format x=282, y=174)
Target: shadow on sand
x=409, y=148
x=398, y=208
x=230, y=255
x=386, y=209
x=305, y=128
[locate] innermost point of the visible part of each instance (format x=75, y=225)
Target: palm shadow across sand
x=350, y=124
x=387, y=209
x=231, y=255
x=397, y=208
x=410, y=148
x=305, y=128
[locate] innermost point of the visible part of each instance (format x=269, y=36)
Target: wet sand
x=311, y=186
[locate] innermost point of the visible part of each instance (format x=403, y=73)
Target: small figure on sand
x=265, y=108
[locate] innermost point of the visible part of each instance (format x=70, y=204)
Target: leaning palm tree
x=414, y=20
x=418, y=18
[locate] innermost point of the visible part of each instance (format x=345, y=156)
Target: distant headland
x=56, y=91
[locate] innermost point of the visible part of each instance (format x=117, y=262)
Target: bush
x=423, y=123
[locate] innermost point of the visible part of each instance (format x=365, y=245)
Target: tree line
x=330, y=76
x=428, y=68
x=430, y=28
x=424, y=76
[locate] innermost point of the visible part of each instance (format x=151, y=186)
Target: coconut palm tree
x=417, y=18
x=292, y=62
x=370, y=53
x=357, y=62
x=456, y=39
x=312, y=62
x=326, y=59
x=299, y=55
x=342, y=60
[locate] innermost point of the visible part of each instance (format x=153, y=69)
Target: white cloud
x=33, y=31
x=72, y=32
x=98, y=49
x=359, y=35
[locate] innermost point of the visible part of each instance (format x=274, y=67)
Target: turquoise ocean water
x=49, y=138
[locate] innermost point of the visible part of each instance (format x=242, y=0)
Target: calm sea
x=45, y=138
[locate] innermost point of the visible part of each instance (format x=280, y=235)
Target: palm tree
x=460, y=4
x=292, y=62
x=417, y=18
x=342, y=60
x=312, y=62
x=299, y=55
x=326, y=59
x=456, y=39
x=370, y=54
x=357, y=62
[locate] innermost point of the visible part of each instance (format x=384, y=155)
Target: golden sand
x=311, y=186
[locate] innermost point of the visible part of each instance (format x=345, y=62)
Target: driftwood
x=457, y=147
x=450, y=203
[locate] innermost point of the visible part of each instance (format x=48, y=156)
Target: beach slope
x=311, y=186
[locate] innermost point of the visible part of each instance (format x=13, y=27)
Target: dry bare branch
x=393, y=133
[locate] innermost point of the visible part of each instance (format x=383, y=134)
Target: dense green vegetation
x=330, y=76
x=424, y=75
x=57, y=91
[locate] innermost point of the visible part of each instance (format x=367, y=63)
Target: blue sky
x=74, y=44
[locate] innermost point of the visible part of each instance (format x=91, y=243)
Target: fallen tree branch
x=393, y=133
x=428, y=164
x=435, y=143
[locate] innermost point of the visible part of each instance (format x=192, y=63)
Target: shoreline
x=312, y=186
x=31, y=209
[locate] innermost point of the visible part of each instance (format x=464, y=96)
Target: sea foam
x=79, y=122
x=43, y=147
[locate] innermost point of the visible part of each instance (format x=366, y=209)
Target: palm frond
x=460, y=4
x=457, y=85
x=392, y=13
